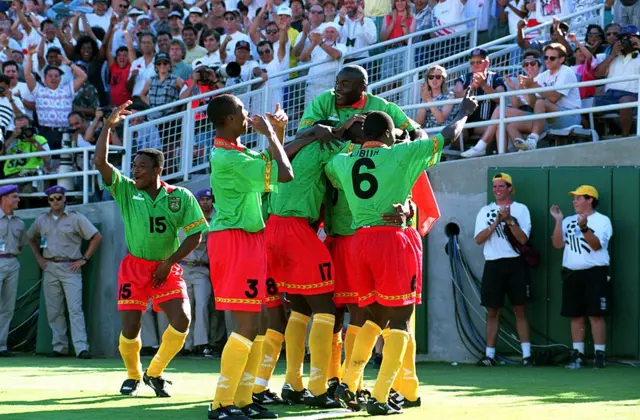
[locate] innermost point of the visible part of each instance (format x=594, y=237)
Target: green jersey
x=151, y=226
x=323, y=107
x=376, y=177
x=337, y=216
x=303, y=196
x=239, y=176
x=14, y=166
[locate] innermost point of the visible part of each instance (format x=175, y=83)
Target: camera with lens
x=228, y=71
x=626, y=42
x=28, y=132
x=204, y=74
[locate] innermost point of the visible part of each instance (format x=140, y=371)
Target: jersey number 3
x=157, y=224
x=360, y=178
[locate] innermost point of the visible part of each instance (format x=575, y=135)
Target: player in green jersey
x=375, y=178
x=349, y=98
x=153, y=213
x=237, y=254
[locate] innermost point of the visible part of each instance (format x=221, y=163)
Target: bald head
x=356, y=73
x=351, y=84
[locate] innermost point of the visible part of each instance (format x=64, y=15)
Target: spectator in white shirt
x=54, y=58
x=19, y=89
x=143, y=68
x=448, y=12
x=211, y=42
x=175, y=24
x=356, y=30
x=99, y=17
x=586, y=285
x=273, y=61
x=557, y=74
x=315, y=19
x=232, y=37
x=324, y=46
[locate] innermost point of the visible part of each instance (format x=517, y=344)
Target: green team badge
x=174, y=204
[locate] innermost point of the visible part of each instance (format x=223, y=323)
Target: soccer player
x=237, y=254
x=374, y=178
x=153, y=213
x=347, y=99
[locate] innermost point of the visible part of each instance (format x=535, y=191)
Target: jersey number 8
x=359, y=178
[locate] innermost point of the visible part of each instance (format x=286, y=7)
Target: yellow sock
x=364, y=344
x=320, y=346
x=234, y=359
x=130, y=352
x=349, y=339
x=294, y=336
x=271, y=350
x=392, y=355
x=336, y=357
x=244, y=393
x=408, y=383
x=172, y=342
x=360, y=386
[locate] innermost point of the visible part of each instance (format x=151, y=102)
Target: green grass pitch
x=38, y=388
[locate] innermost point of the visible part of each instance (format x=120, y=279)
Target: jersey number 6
x=359, y=178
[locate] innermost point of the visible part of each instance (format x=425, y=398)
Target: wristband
x=584, y=230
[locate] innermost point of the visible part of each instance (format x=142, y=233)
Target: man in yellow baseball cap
x=586, y=285
x=506, y=178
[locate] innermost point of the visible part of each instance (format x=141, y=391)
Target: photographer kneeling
x=25, y=140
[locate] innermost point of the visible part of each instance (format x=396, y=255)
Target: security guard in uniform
x=59, y=234
x=12, y=238
x=196, y=274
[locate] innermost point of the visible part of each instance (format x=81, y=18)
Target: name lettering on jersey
x=138, y=197
x=365, y=153
x=175, y=203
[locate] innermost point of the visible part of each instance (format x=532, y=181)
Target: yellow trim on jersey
x=404, y=125
x=385, y=297
x=272, y=299
x=434, y=151
x=267, y=174
x=193, y=225
x=173, y=292
x=235, y=300
x=346, y=294
x=132, y=302
x=309, y=286
x=305, y=123
x=351, y=147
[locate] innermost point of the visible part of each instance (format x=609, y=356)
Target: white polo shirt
x=624, y=66
x=498, y=246
x=145, y=72
x=578, y=255
x=570, y=97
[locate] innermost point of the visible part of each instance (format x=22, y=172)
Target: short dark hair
x=156, y=156
x=220, y=108
x=49, y=68
x=595, y=201
x=72, y=113
x=556, y=46
x=165, y=33
x=147, y=33
x=265, y=42
x=190, y=28
x=376, y=124
x=208, y=33
x=606, y=28
x=5, y=79
x=532, y=53
x=10, y=63
x=123, y=48
x=44, y=22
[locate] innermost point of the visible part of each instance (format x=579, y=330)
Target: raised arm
x=453, y=130
x=102, y=146
x=285, y=171
x=28, y=65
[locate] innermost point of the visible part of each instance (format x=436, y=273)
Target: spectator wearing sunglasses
x=594, y=39
x=316, y=18
x=435, y=89
x=557, y=74
x=232, y=37
x=611, y=32
x=273, y=61
x=532, y=65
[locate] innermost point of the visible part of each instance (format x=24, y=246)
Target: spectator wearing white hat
x=195, y=16
x=356, y=30
x=143, y=24
x=232, y=37
x=324, y=46
x=285, y=17
x=175, y=25
x=194, y=51
x=272, y=32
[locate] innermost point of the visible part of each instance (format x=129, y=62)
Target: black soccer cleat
x=159, y=385
x=230, y=412
x=527, y=361
x=256, y=411
x=577, y=360
x=486, y=361
x=600, y=361
x=130, y=388
x=332, y=385
x=268, y=397
x=324, y=401
x=362, y=396
x=85, y=355
x=348, y=398
x=291, y=396
x=399, y=400
x=386, y=408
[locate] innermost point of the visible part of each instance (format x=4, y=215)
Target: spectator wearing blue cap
x=55, y=238
x=196, y=274
x=12, y=238
x=623, y=61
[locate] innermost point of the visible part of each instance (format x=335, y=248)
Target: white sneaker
x=520, y=144
x=473, y=152
x=532, y=142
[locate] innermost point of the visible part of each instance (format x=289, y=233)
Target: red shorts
x=135, y=280
x=346, y=290
x=384, y=266
x=238, y=267
x=416, y=244
x=298, y=260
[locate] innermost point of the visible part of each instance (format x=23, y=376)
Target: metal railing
x=502, y=106
x=87, y=173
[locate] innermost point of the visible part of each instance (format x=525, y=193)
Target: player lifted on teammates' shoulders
x=237, y=254
x=375, y=178
x=153, y=212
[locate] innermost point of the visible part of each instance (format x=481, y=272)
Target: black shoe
x=377, y=361
x=6, y=353
x=376, y=408
x=291, y=396
x=57, y=354
x=362, y=396
x=148, y=351
x=349, y=398
x=130, y=387
x=577, y=360
x=256, y=411
x=85, y=355
x=399, y=400
x=159, y=385
x=268, y=397
x=332, y=385
x=600, y=361
x=486, y=362
x=527, y=362
x=207, y=352
x=324, y=401
x=230, y=412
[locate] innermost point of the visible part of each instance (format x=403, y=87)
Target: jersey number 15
x=157, y=224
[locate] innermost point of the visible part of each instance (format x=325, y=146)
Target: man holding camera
x=623, y=60
x=24, y=140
